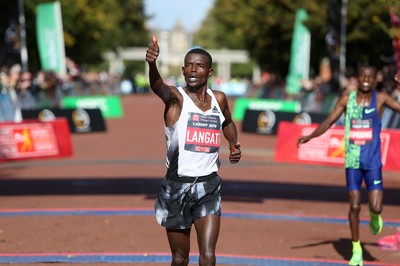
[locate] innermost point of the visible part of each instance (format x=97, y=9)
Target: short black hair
x=203, y=52
x=362, y=67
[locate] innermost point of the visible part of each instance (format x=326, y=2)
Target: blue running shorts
x=371, y=177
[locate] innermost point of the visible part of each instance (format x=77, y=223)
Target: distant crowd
x=24, y=90
x=319, y=92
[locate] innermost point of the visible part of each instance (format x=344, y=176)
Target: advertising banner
x=79, y=120
x=266, y=122
x=328, y=149
x=50, y=37
x=110, y=106
x=32, y=139
x=299, y=64
x=241, y=104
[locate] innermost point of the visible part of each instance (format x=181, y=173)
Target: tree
x=264, y=29
x=91, y=27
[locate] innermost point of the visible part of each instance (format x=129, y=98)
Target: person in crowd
x=363, y=109
x=14, y=74
x=387, y=116
x=194, y=117
x=8, y=98
x=141, y=83
x=396, y=91
x=6, y=102
x=25, y=99
x=50, y=93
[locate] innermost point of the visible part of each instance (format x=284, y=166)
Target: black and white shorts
x=180, y=203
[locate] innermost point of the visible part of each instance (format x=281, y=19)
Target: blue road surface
x=161, y=257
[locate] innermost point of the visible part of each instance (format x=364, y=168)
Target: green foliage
x=91, y=27
x=242, y=70
x=264, y=28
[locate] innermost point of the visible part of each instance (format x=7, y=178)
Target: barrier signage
x=34, y=139
x=241, y=104
x=79, y=120
x=266, y=122
x=328, y=149
x=110, y=106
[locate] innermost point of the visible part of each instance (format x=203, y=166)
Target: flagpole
x=24, y=51
x=342, y=58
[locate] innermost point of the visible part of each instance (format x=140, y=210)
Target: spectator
x=9, y=96
x=50, y=93
x=25, y=98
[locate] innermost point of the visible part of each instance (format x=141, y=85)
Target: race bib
x=203, y=133
x=360, y=132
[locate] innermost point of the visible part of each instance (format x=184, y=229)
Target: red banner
x=34, y=139
x=328, y=149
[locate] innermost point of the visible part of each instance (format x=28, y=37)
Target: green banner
x=241, y=104
x=299, y=65
x=110, y=106
x=50, y=37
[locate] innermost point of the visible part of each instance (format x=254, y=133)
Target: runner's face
x=366, y=79
x=196, y=70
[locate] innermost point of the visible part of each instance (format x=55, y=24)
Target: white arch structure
x=223, y=58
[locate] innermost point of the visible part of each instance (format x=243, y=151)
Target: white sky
x=166, y=13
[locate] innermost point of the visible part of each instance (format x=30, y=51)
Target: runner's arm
x=337, y=111
x=229, y=128
x=157, y=84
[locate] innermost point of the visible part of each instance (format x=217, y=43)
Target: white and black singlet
x=193, y=142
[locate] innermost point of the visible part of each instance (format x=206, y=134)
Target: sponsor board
x=241, y=104
x=328, y=149
x=266, y=121
x=33, y=139
x=110, y=106
x=80, y=120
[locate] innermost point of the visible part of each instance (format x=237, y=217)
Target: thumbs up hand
x=152, y=51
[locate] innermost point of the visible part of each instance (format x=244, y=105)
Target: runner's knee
x=179, y=259
x=376, y=207
x=207, y=258
x=355, y=207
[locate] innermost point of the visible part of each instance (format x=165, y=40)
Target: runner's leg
x=375, y=199
x=354, y=213
x=207, y=229
x=354, y=221
x=179, y=242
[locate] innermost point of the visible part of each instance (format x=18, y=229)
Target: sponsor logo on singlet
x=368, y=111
x=215, y=110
